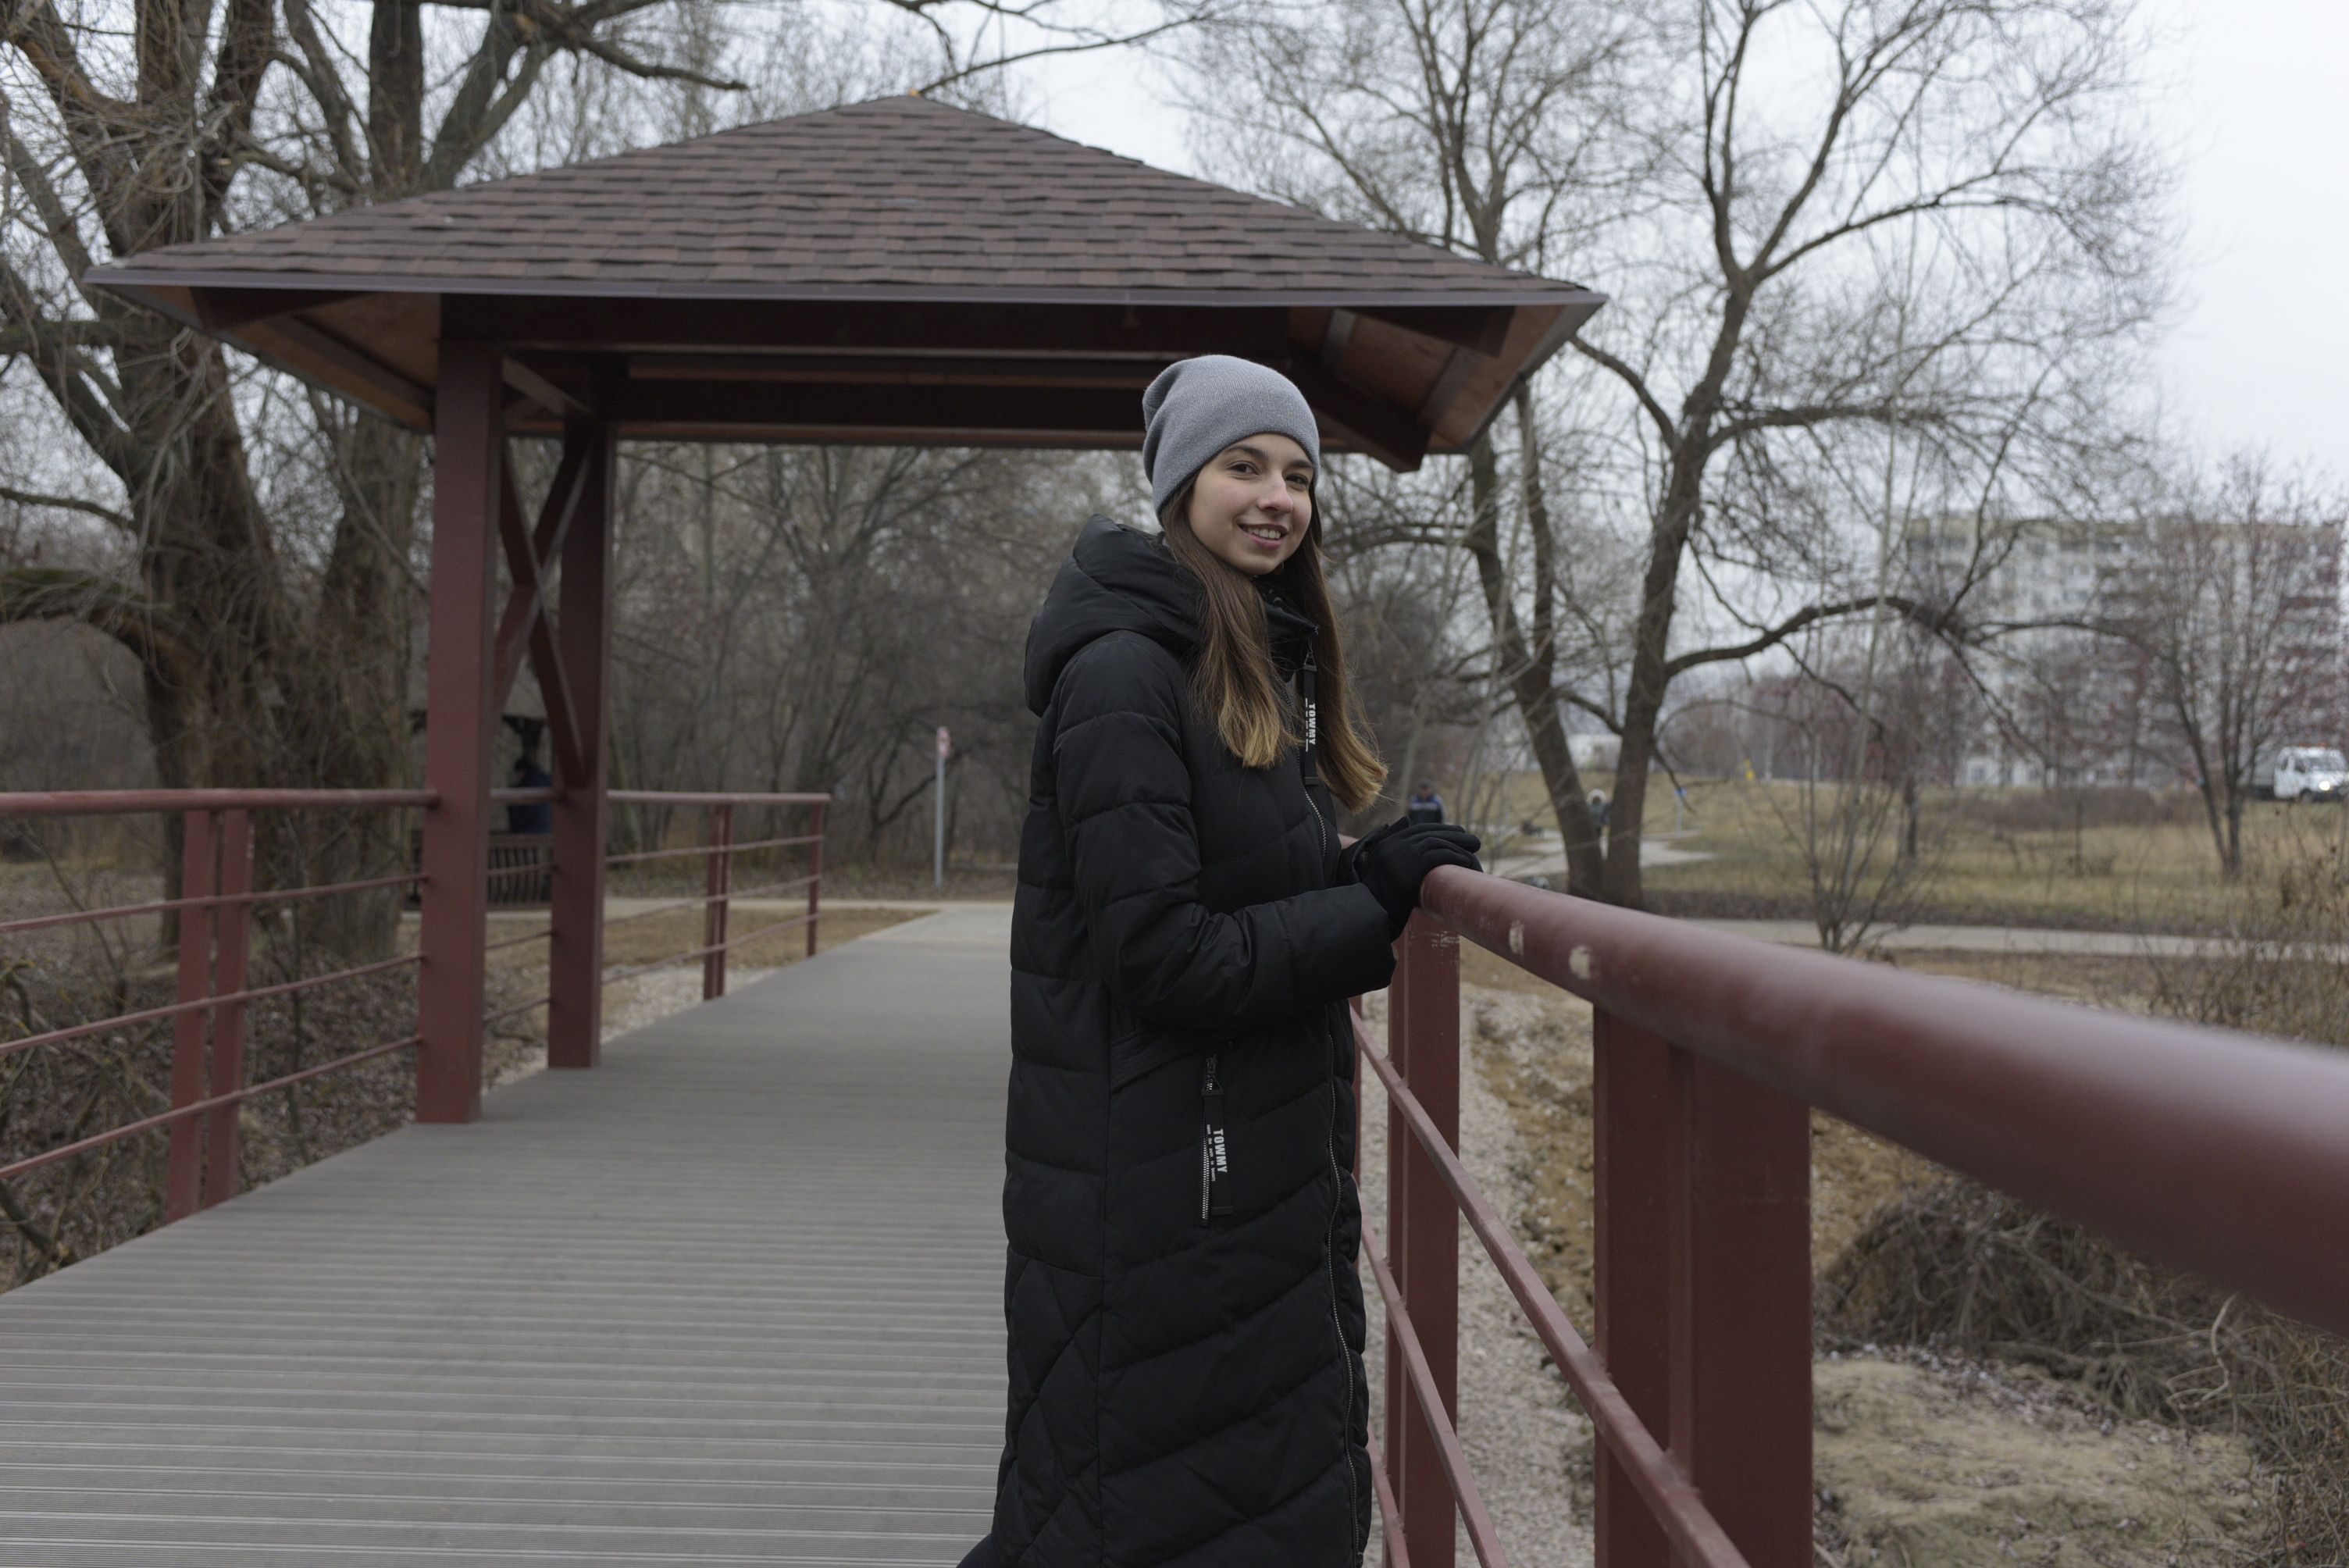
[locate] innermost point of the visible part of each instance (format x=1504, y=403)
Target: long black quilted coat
x=1185, y=1320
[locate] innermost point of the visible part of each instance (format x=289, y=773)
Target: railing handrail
x=217, y=900
x=124, y=803
x=2223, y=1154
x=714, y=797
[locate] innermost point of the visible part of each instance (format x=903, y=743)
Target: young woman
x=1185, y=1317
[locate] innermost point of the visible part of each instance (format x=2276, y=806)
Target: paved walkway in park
x=1941, y=938
x=734, y=1298
x=2009, y=939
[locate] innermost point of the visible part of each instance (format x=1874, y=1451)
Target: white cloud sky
x=2255, y=94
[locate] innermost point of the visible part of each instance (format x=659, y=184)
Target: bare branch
x=68, y=503
x=1622, y=371
x=1932, y=618
x=149, y=629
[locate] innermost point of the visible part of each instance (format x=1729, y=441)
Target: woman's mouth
x=1263, y=534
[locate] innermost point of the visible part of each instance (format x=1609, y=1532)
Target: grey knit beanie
x=1197, y=407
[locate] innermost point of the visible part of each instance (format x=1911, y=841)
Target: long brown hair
x=1233, y=681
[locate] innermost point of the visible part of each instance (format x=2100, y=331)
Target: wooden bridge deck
x=733, y=1298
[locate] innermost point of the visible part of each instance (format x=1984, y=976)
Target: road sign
x=938, y=806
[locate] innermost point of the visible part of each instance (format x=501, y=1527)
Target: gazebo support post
x=468, y=454
x=574, y=1020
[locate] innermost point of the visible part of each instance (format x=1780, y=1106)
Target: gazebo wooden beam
x=1480, y=328
x=919, y=411
x=223, y=310
x=691, y=326
x=901, y=369
x=909, y=408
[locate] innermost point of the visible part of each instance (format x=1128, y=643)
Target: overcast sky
x=2256, y=95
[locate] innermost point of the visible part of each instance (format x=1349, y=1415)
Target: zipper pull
x=1215, y=1153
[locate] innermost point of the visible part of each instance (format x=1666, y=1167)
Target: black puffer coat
x=1185, y=1318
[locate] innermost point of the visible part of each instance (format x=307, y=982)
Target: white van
x=2308, y=773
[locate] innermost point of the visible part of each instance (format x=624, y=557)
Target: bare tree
x=1466, y=124
x=843, y=602
x=265, y=656
x=2230, y=599
x=272, y=536
x=1933, y=215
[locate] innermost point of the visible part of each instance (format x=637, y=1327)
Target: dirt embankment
x=1919, y=1460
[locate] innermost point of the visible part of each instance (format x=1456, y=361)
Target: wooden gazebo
x=892, y=271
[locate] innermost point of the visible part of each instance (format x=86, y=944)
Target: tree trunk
x=1643, y=701
x=348, y=718
x=1530, y=680
x=253, y=691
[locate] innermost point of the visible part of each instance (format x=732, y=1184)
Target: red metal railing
x=717, y=849
x=213, y=908
x=2221, y=1153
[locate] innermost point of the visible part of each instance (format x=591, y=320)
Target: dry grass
x=2128, y=860
x=1952, y=1265
x=1911, y=1256
x=1955, y=1266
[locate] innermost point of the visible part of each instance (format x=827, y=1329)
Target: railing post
x=713, y=914
x=574, y=965
x=815, y=876
x=1423, y=1231
x=233, y=972
x=1632, y=1104
x=183, y=1164
x=1704, y=1292
x=468, y=450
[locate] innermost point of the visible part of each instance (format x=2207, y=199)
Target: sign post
x=938, y=803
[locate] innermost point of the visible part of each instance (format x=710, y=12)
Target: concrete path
x=1544, y=857
x=734, y=1298
x=2005, y=939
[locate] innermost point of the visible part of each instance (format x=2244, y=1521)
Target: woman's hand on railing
x=1394, y=862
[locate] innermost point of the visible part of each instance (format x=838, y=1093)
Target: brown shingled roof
x=902, y=201
x=901, y=196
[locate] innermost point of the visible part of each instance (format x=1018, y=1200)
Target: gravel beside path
x=1528, y=1443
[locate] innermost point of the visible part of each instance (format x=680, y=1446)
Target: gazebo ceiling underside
x=894, y=272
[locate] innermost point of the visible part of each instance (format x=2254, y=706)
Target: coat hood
x=1121, y=579
x=1117, y=579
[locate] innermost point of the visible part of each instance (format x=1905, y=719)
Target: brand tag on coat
x=1215, y=1146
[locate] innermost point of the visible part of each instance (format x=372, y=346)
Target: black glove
x=1394, y=866
x=1349, y=859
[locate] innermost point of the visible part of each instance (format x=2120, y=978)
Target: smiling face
x=1252, y=502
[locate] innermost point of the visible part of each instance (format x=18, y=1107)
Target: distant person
x=1185, y=1317
x=1425, y=805
x=530, y=815
x=1598, y=804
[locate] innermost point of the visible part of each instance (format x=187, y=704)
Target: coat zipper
x=1311, y=776
x=1336, y=1328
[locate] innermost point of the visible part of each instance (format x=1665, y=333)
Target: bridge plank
x=735, y=1297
